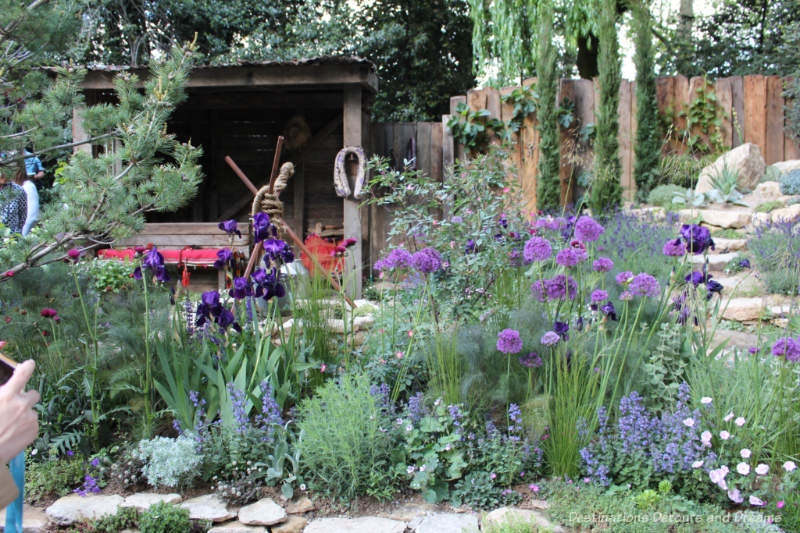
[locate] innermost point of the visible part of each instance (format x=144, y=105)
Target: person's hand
x=19, y=424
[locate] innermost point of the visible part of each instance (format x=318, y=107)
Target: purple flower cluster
x=397, y=258
x=268, y=284
x=643, y=284
x=537, y=249
x=697, y=238
x=240, y=289
x=427, y=260
x=587, y=230
x=509, y=342
x=514, y=422
x=416, y=407
x=277, y=251
x=531, y=360
x=603, y=264
x=557, y=288
x=788, y=348
x=224, y=258
x=550, y=338
x=674, y=248
x=210, y=307
x=623, y=277
x=569, y=257
x=238, y=408
x=263, y=227
x=598, y=296
x=153, y=261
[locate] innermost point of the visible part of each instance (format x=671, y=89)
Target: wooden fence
x=751, y=109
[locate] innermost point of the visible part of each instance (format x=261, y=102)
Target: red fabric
x=324, y=252
x=189, y=256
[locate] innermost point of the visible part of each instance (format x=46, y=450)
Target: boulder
x=144, y=500
x=364, y=524
x=786, y=214
x=208, y=507
x=786, y=166
x=746, y=160
x=295, y=524
x=445, y=523
x=768, y=191
x=72, y=508
x=726, y=218
x=300, y=506
x=513, y=515
x=262, y=513
x=743, y=309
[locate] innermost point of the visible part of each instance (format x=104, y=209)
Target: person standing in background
x=33, y=171
x=13, y=201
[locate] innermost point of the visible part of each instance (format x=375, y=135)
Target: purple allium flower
x=531, y=360
x=787, y=347
x=697, y=238
x=561, y=287
x=645, y=285
x=537, y=249
x=538, y=290
x=674, y=248
x=624, y=277
x=509, y=341
x=240, y=289
x=550, y=338
x=427, y=260
x=587, y=230
x=230, y=227
x=599, y=295
x=562, y=328
x=224, y=258
x=397, y=258
x=569, y=257
x=603, y=264
x=262, y=227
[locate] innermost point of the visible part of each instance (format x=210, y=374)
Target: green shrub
x=766, y=207
x=169, y=462
x=110, y=275
x=55, y=477
x=790, y=182
x=345, y=449
x=124, y=518
x=165, y=518
x=663, y=195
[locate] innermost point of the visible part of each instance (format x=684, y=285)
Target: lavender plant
x=775, y=251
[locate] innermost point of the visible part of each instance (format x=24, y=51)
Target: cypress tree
x=606, y=188
x=548, y=189
x=648, y=143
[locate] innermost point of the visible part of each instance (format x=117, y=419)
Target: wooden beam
x=79, y=134
x=353, y=136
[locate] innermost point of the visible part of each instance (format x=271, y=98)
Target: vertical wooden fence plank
x=529, y=157
x=681, y=107
x=737, y=109
x=774, y=122
x=476, y=99
x=584, y=110
x=436, y=151
x=423, y=136
x=458, y=152
x=722, y=88
x=493, y=102
x=624, y=139
x=634, y=129
x=448, y=146
x=696, y=85
x=791, y=146
x=755, y=105
x=665, y=96
x=514, y=158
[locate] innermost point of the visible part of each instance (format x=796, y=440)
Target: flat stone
x=729, y=245
x=445, y=523
x=34, y=520
x=208, y=507
x=786, y=166
x=143, y=500
x=364, y=524
x=237, y=527
x=768, y=191
x=738, y=339
x=743, y=309
x=716, y=262
x=262, y=513
x=726, y=218
x=514, y=515
x=72, y=508
x=742, y=284
x=759, y=219
x=409, y=511
x=300, y=506
x=294, y=524
x=688, y=215
x=786, y=214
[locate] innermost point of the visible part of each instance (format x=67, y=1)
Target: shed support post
x=78, y=132
x=353, y=136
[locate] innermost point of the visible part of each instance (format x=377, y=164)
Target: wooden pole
x=275, y=164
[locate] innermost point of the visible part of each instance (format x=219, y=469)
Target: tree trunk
x=686, y=19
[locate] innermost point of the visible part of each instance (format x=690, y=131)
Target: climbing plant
x=648, y=143
x=548, y=187
x=606, y=190
x=473, y=129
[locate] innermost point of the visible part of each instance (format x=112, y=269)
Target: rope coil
x=266, y=202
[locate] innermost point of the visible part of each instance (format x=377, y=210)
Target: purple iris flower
x=224, y=258
x=268, y=284
x=562, y=328
x=153, y=261
x=262, y=228
x=697, y=238
x=609, y=310
x=277, y=250
x=230, y=227
x=240, y=289
x=712, y=287
x=209, y=306
x=696, y=278
x=225, y=318
x=470, y=247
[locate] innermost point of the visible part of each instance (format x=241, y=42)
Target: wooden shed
x=319, y=105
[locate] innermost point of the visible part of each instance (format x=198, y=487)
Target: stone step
x=756, y=308
x=716, y=262
x=722, y=245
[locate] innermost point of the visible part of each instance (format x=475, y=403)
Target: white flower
x=724, y=435
x=728, y=417
x=718, y=476
x=756, y=501
x=743, y=468
x=409, y=427
x=789, y=466
x=705, y=400
x=745, y=453
x=422, y=468
x=762, y=469
x=705, y=438
x=410, y=469
x=739, y=421
x=689, y=422
x=697, y=464
x=735, y=496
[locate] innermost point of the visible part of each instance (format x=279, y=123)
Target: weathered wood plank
x=697, y=84
x=514, y=159
x=584, y=110
x=773, y=151
x=632, y=149
x=737, y=109
x=476, y=99
x=459, y=153
x=722, y=88
x=179, y=241
x=181, y=228
x=436, y=151
x=448, y=146
x=624, y=139
x=791, y=147
x=353, y=136
x=755, y=104
x=423, y=136
x=529, y=138
x=681, y=106
x=493, y=102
